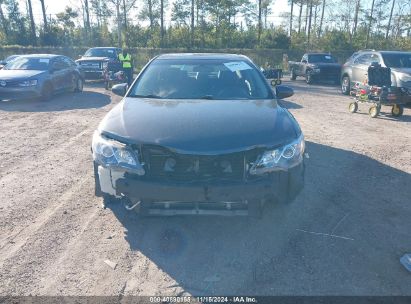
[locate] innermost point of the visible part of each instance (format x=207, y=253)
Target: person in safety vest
x=127, y=64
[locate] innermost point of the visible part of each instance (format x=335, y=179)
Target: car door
x=57, y=73
x=70, y=75
x=360, y=67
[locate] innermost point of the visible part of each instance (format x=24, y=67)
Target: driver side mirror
x=283, y=92
x=120, y=89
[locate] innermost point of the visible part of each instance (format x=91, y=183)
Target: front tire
x=79, y=85
x=293, y=75
x=308, y=77
x=345, y=85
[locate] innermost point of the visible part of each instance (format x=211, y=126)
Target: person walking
x=127, y=64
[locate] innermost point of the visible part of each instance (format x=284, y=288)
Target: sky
x=56, y=6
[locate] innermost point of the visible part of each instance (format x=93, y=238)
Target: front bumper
x=15, y=93
x=280, y=186
x=92, y=75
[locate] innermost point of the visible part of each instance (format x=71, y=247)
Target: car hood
x=18, y=74
x=94, y=59
x=201, y=127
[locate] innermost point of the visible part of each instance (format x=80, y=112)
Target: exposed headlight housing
x=113, y=154
x=28, y=83
x=104, y=65
x=280, y=159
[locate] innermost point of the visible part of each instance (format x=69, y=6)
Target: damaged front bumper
x=214, y=197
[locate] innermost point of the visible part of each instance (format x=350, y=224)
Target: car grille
x=8, y=83
x=161, y=163
x=91, y=65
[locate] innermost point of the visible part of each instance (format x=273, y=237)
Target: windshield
x=28, y=63
x=201, y=79
x=100, y=53
x=10, y=58
x=397, y=60
x=321, y=58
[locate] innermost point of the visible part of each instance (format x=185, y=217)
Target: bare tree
x=309, y=22
x=87, y=12
x=117, y=4
x=300, y=16
x=369, y=24
x=260, y=25
x=3, y=19
x=322, y=19
x=291, y=16
x=389, y=20
x=161, y=22
x=32, y=24
x=192, y=23
x=43, y=9
x=357, y=10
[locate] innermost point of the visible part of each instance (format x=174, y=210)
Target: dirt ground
x=344, y=235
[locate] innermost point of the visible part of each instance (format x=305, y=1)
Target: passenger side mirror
x=120, y=89
x=284, y=92
x=304, y=61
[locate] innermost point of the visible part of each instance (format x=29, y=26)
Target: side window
x=363, y=59
x=68, y=62
x=375, y=58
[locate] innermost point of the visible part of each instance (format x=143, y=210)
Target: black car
x=199, y=134
x=316, y=67
x=95, y=60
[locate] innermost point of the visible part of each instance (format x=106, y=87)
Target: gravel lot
x=344, y=235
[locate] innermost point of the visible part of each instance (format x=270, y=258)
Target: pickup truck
x=316, y=67
x=95, y=60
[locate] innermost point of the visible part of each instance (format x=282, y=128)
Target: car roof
x=45, y=56
x=327, y=54
x=195, y=56
x=394, y=52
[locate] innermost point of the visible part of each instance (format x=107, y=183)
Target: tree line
x=208, y=24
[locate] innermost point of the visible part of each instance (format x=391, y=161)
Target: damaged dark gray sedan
x=199, y=134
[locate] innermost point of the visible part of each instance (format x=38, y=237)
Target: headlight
x=113, y=154
x=28, y=83
x=105, y=65
x=405, y=78
x=317, y=70
x=283, y=158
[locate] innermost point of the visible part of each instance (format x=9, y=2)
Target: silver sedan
x=34, y=76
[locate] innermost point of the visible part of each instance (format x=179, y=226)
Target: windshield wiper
x=146, y=96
